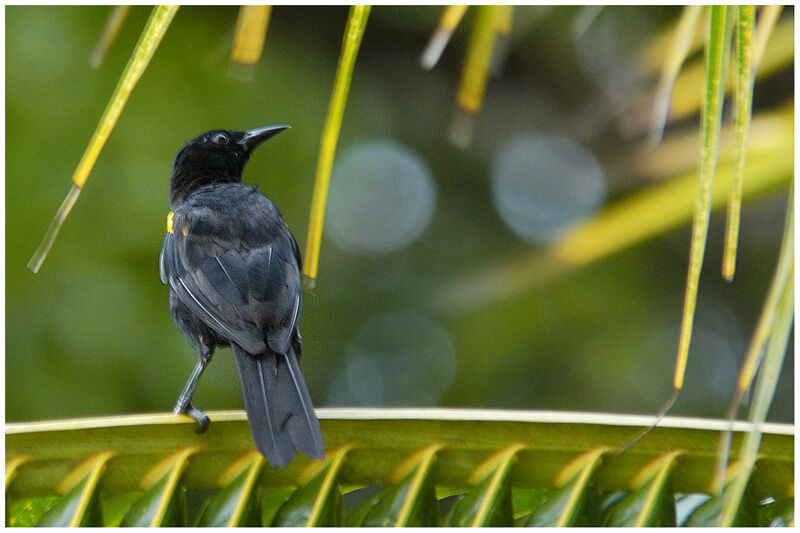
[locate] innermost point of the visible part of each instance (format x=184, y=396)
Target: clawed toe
x=194, y=413
x=202, y=424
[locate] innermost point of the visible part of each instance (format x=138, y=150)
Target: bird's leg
x=184, y=403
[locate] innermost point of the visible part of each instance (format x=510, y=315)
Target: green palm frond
x=421, y=467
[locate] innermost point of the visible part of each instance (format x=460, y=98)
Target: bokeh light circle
x=400, y=358
x=543, y=183
x=382, y=198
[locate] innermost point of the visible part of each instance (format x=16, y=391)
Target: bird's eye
x=220, y=138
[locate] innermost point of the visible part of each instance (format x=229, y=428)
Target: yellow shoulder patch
x=169, y=221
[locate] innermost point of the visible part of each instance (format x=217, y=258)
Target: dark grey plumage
x=233, y=269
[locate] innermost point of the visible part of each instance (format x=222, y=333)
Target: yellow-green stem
x=762, y=399
x=742, y=112
x=156, y=26
x=251, y=30
x=764, y=327
x=711, y=117
x=474, y=74
x=451, y=17
x=766, y=23
x=110, y=32
x=681, y=43
x=476, y=66
x=354, y=31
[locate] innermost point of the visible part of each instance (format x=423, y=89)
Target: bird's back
x=230, y=244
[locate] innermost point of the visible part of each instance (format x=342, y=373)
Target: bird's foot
x=193, y=412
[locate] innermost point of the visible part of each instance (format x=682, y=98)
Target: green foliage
x=576, y=502
x=318, y=501
x=651, y=504
x=411, y=501
x=236, y=503
x=432, y=472
x=467, y=470
x=488, y=504
x=70, y=341
x=162, y=504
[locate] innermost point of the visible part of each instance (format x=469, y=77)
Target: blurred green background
x=410, y=216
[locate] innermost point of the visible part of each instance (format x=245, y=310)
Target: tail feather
x=282, y=419
x=303, y=425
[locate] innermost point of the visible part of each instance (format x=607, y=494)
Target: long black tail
x=278, y=406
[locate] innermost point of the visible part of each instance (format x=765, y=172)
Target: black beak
x=254, y=137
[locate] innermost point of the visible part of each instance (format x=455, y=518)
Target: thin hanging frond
x=148, y=43
x=248, y=40
x=110, y=32
x=716, y=53
x=354, y=31
x=681, y=44
x=474, y=74
x=451, y=17
x=743, y=107
x=764, y=329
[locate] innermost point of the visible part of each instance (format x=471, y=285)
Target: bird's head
x=217, y=156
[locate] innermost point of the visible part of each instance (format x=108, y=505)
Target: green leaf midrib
x=380, y=445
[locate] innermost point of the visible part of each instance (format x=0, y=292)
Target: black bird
x=233, y=270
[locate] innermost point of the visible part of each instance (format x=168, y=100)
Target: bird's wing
x=238, y=281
